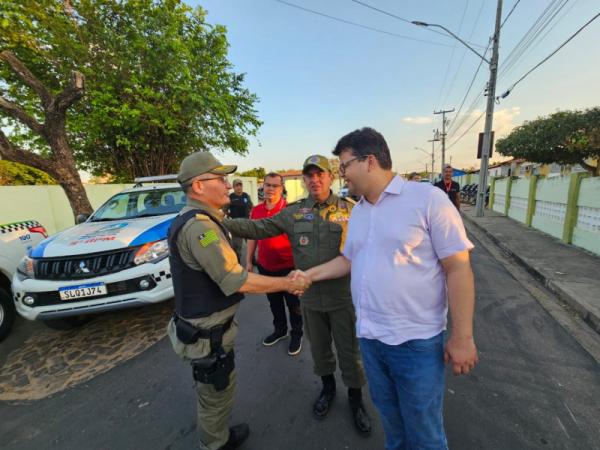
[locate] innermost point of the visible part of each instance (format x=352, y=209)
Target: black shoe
x=322, y=404
x=295, y=345
x=237, y=435
x=274, y=338
x=362, y=421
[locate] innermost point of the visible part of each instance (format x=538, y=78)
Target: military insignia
x=332, y=208
x=313, y=159
x=303, y=240
x=309, y=216
x=304, y=210
x=208, y=238
x=298, y=216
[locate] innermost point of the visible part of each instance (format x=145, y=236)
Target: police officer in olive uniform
x=316, y=227
x=209, y=283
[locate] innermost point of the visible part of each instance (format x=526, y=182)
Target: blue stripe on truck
x=156, y=233
x=38, y=251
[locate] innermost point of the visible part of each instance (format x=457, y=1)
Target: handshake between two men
x=298, y=282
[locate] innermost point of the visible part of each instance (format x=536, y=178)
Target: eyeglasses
x=271, y=186
x=221, y=179
x=344, y=166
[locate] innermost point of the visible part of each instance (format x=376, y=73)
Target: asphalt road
x=535, y=387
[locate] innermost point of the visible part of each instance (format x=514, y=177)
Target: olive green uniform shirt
x=204, y=247
x=317, y=232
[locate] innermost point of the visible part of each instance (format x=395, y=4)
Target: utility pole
x=489, y=117
x=444, y=122
x=435, y=139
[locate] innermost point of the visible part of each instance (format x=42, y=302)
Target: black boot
x=361, y=418
x=237, y=435
x=321, y=406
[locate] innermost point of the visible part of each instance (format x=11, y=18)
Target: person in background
x=275, y=259
x=240, y=205
x=450, y=187
x=414, y=176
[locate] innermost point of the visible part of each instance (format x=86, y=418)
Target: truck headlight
x=152, y=252
x=26, y=267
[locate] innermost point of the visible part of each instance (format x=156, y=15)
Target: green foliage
x=158, y=82
x=15, y=174
x=565, y=137
x=258, y=172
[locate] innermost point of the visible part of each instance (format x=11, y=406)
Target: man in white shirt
x=408, y=254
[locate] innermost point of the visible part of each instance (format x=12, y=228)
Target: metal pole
x=433, y=141
x=489, y=117
x=443, y=113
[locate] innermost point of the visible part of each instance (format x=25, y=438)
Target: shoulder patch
x=208, y=238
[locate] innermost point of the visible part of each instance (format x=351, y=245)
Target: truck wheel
x=7, y=313
x=67, y=323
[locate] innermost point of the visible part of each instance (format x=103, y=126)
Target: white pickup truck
x=115, y=259
x=16, y=239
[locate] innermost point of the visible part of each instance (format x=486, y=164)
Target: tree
x=59, y=162
x=158, y=83
x=15, y=174
x=257, y=172
x=565, y=137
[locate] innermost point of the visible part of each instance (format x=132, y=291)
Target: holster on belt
x=215, y=368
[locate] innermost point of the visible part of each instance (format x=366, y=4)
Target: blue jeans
x=406, y=383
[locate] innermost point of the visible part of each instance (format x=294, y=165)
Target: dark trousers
x=277, y=302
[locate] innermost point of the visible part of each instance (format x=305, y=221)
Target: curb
x=586, y=315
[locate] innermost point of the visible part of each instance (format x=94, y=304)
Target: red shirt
x=275, y=253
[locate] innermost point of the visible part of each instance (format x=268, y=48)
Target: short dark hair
x=274, y=175
x=364, y=142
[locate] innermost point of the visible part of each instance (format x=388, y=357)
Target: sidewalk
x=569, y=272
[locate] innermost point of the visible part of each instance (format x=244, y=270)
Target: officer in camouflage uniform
x=316, y=227
x=209, y=283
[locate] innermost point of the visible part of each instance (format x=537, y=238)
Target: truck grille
x=84, y=266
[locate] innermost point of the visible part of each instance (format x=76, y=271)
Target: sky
x=318, y=79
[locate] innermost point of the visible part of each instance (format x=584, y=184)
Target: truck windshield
x=130, y=205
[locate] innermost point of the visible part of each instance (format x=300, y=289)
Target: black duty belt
x=189, y=334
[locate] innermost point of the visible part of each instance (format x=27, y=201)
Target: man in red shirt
x=275, y=258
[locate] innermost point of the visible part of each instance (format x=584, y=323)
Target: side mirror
x=81, y=218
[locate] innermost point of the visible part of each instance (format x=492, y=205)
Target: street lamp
x=428, y=154
x=491, y=93
x=435, y=25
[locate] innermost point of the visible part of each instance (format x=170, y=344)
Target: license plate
x=82, y=291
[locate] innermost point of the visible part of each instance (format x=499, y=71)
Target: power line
x=533, y=45
x=453, y=82
x=543, y=20
x=451, y=59
x=454, y=125
x=508, y=91
x=509, y=13
x=466, y=131
x=402, y=19
x=359, y=25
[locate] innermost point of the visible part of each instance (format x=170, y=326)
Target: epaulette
x=202, y=217
x=349, y=200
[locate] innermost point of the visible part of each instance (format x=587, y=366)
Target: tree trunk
x=61, y=163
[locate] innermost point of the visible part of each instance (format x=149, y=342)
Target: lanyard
x=448, y=186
